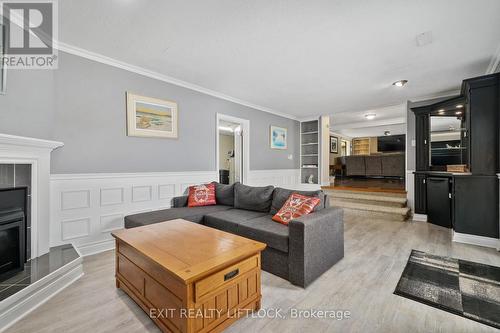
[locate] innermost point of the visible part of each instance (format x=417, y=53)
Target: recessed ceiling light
x=441, y=111
x=458, y=112
x=400, y=83
x=370, y=116
x=459, y=106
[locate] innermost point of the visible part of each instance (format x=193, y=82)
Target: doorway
x=232, y=149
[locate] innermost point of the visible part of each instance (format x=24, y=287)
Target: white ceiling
x=354, y=124
x=296, y=57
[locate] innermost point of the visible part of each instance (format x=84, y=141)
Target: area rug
x=465, y=288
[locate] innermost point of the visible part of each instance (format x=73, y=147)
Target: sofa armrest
x=316, y=243
x=181, y=201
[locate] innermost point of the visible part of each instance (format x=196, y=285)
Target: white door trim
x=245, y=125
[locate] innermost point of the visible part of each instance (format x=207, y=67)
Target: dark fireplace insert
x=12, y=230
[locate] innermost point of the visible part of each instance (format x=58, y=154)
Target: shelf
x=309, y=144
x=315, y=132
x=309, y=155
x=306, y=167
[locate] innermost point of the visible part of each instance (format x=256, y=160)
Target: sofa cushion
x=253, y=198
x=264, y=229
x=194, y=214
x=228, y=220
x=201, y=195
x=296, y=206
x=281, y=195
x=224, y=194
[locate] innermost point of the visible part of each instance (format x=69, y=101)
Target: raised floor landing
x=368, y=185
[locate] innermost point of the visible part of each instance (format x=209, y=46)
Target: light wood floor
x=363, y=283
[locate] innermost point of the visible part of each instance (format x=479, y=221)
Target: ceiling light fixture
x=370, y=116
x=458, y=112
x=441, y=111
x=459, y=106
x=400, y=83
x=387, y=133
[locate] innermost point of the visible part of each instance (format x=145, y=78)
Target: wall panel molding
x=112, y=196
x=107, y=198
x=75, y=199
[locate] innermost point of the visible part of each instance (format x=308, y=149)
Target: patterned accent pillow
x=201, y=195
x=295, y=206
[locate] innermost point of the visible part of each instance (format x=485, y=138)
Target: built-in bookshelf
x=364, y=146
x=309, y=151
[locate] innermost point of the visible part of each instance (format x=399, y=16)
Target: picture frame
x=334, y=144
x=151, y=117
x=3, y=70
x=278, y=137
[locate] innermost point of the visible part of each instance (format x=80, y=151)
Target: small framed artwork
x=278, y=136
x=334, y=144
x=151, y=117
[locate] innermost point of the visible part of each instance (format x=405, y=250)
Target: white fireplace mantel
x=25, y=150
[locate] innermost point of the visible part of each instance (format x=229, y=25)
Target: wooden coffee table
x=188, y=277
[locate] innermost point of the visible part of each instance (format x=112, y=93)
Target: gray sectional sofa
x=299, y=252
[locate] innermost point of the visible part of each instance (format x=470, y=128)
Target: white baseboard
x=17, y=306
x=96, y=247
x=420, y=217
x=476, y=240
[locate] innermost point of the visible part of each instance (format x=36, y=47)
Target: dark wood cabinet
x=474, y=204
x=420, y=194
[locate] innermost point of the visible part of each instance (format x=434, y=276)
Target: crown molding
x=450, y=93
x=74, y=50
x=494, y=65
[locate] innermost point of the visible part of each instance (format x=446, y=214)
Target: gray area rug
x=465, y=288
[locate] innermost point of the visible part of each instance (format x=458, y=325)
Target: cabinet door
x=483, y=139
x=420, y=194
x=476, y=205
x=439, y=201
x=422, y=141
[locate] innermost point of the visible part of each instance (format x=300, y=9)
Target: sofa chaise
x=299, y=252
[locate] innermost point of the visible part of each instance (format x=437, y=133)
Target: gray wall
x=83, y=105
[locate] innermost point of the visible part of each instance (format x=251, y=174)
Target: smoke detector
x=425, y=38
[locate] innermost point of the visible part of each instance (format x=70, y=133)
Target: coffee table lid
x=187, y=249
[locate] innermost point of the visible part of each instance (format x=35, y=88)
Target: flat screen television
x=391, y=143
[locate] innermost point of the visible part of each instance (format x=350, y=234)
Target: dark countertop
x=444, y=173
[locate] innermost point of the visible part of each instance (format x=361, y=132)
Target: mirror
x=448, y=146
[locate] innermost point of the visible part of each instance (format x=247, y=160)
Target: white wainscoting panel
x=86, y=208
x=75, y=228
x=112, y=196
x=75, y=199
x=279, y=177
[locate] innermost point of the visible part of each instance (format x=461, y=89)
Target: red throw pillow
x=201, y=195
x=295, y=206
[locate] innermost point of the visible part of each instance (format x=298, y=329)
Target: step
x=374, y=211
x=333, y=192
x=369, y=198
x=370, y=201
